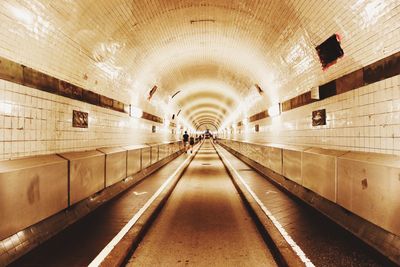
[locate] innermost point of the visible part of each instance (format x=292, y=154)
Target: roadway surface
x=204, y=222
x=81, y=242
x=324, y=242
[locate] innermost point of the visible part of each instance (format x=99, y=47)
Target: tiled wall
x=35, y=122
x=122, y=48
x=366, y=119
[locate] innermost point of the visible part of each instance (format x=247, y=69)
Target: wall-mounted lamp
x=5, y=108
x=136, y=112
x=166, y=123
x=22, y=15
x=274, y=110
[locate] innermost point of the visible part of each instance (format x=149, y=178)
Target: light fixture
x=22, y=15
x=5, y=108
x=136, y=112
x=166, y=123
x=274, y=110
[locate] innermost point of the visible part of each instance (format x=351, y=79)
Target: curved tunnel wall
x=196, y=56
x=187, y=65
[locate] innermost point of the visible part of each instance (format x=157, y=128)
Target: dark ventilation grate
x=330, y=51
x=201, y=21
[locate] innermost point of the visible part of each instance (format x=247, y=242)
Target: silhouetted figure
x=191, y=143
x=186, y=140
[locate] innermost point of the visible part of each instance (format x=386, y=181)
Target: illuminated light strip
x=280, y=228
x=107, y=249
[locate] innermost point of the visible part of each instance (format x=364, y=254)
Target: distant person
x=191, y=143
x=186, y=140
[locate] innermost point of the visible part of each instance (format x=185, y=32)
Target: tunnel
x=199, y=133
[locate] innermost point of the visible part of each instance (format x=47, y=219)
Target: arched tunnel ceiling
x=212, y=51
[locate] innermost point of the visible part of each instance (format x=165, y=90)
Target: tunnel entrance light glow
x=274, y=110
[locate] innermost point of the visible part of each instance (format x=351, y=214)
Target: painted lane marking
x=139, y=193
x=107, y=249
x=280, y=228
x=271, y=192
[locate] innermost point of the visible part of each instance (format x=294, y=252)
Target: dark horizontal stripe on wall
x=20, y=74
x=259, y=116
x=297, y=101
x=375, y=72
x=151, y=117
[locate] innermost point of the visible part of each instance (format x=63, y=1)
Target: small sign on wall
x=257, y=128
x=319, y=117
x=315, y=93
x=153, y=129
x=80, y=119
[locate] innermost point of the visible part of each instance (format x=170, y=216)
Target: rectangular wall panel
x=261, y=155
x=292, y=165
x=134, y=159
x=319, y=171
x=146, y=157
x=86, y=174
x=369, y=186
x=115, y=164
x=162, y=151
x=154, y=154
x=275, y=158
x=31, y=189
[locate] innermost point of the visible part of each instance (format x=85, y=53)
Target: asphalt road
x=80, y=243
x=204, y=223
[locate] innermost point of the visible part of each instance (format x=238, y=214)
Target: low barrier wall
x=58, y=189
x=360, y=191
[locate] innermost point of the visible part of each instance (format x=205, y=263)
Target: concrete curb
x=122, y=252
x=280, y=248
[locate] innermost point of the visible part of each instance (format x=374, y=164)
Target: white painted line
x=104, y=253
x=139, y=193
x=280, y=228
